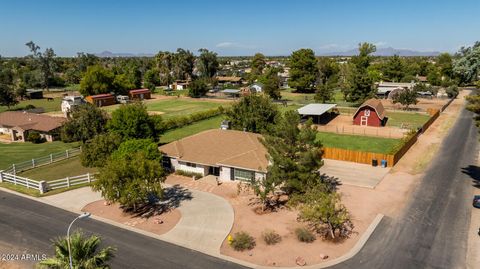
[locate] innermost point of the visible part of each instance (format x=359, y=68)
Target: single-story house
x=139, y=94
x=34, y=94
x=388, y=89
x=179, y=85
x=370, y=113
x=256, y=87
x=227, y=154
x=106, y=99
x=320, y=113
x=230, y=80
x=18, y=124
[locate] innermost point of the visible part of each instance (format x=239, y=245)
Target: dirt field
x=342, y=124
x=422, y=105
x=115, y=213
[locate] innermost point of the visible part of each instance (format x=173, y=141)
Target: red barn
x=370, y=113
x=139, y=94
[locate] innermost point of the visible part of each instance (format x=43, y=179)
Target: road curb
x=351, y=253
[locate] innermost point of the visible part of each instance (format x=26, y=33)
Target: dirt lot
x=115, y=213
x=342, y=124
x=422, y=105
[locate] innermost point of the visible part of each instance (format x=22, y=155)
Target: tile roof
x=220, y=147
x=30, y=121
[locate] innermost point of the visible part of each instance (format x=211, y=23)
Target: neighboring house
x=388, y=89
x=18, y=124
x=232, y=93
x=230, y=80
x=139, y=94
x=179, y=85
x=228, y=154
x=256, y=87
x=106, y=99
x=319, y=113
x=370, y=113
x=34, y=94
x=69, y=102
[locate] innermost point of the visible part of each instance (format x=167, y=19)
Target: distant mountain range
x=380, y=52
x=109, y=54
x=385, y=52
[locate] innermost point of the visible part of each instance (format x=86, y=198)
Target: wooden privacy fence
x=367, y=157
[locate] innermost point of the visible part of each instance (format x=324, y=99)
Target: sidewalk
x=73, y=200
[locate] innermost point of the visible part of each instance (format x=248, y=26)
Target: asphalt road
x=432, y=233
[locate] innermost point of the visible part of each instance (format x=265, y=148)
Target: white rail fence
x=36, y=162
x=45, y=186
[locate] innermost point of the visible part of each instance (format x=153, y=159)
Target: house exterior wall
x=5, y=130
x=372, y=119
x=199, y=169
x=225, y=173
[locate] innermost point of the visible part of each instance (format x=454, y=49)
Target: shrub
x=271, y=237
x=304, y=235
x=242, y=241
x=35, y=137
x=181, y=121
x=188, y=174
x=29, y=106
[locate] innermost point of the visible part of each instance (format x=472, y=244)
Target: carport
x=319, y=113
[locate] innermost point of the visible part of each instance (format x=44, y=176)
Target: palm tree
x=85, y=253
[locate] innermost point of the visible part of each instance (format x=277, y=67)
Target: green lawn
x=406, y=119
x=308, y=98
x=181, y=107
x=360, y=143
x=19, y=152
x=48, y=106
x=191, y=129
x=62, y=169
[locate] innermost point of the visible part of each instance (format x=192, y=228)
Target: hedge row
x=181, y=121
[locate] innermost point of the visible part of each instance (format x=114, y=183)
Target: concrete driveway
x=206, y=221
x=357, y=174
x=73, y=200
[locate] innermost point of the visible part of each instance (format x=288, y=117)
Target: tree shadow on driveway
x=474, y=172
x=172, y=198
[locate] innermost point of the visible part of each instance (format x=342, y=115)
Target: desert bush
x=304, y=235
x=271, y=237
x=242, y=241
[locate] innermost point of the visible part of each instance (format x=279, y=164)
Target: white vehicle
x=122, y=99
x=68, y=102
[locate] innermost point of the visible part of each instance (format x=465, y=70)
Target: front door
x=364, y=121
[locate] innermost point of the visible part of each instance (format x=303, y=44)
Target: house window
x=191, y=164
x=244, y=175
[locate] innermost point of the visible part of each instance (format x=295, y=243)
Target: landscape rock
x=323, y=256
x=300, y=261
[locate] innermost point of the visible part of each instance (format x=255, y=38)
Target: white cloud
x=233, y=45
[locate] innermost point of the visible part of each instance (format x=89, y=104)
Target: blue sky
x=240, y=27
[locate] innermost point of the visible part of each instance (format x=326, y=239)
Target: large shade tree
x=83, y=123
x=303, y=70
x=46, y=62
x=253, y=113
